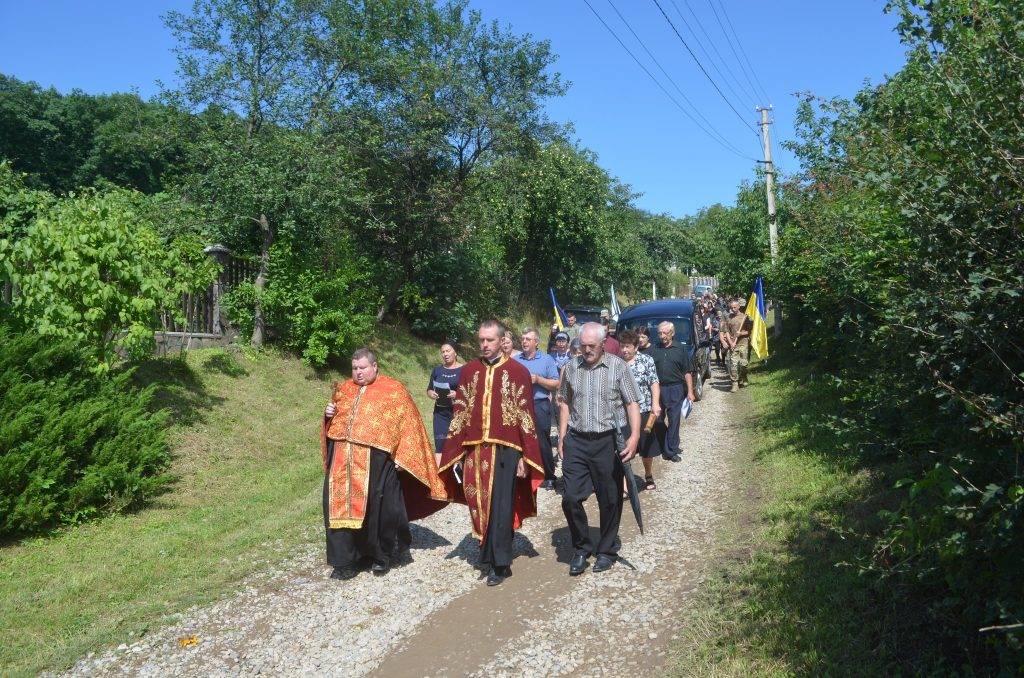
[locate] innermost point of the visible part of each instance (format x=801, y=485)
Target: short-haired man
x=672, y=362
x=597, y=397
x=493, y=435
x=571, y=328
x=379, y=470
x=735, y=333
x=544, y=375
x=611, y=344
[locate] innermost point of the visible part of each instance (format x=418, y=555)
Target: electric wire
x=702, y=69
x=743, y=69
x=665, y=73
x=729, y=147
x=696, y=19
x=750, y=64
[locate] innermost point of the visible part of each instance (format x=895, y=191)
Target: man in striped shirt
x=596, y=398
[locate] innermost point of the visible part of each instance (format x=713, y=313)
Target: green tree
x=64, y=142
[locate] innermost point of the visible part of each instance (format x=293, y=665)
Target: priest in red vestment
x=493, y=438
x=380, y=471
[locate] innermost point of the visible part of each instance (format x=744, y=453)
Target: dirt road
x=435, y=616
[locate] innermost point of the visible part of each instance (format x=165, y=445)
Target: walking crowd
x=504, y=423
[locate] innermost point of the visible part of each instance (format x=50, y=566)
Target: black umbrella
x=633, y=493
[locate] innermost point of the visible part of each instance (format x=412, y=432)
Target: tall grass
x=791, y=598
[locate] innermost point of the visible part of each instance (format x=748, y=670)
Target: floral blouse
x=645, y=374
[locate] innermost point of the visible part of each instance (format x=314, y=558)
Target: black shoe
x=674, y=458
x=578, y=564
x=344, y=573
x=379, y=569
x=603, y=563
x=547, y=485
x=495, y=577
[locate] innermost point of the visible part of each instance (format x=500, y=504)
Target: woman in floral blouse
x=646, y=376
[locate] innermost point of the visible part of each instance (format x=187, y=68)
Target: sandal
x=649, y=483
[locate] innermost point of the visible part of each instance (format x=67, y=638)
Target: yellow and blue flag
x=756, y=312
x=561, y=319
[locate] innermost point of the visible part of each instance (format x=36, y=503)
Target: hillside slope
x=248, y=492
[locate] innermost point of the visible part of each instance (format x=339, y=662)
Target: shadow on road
x=425, y=538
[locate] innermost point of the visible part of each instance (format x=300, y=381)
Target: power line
x=711, y=60
x=657, y=82
x=665, y=73
x=744, y=53
x=739, y=61
x=702, y=69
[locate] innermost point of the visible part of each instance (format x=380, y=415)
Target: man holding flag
x=736, y=332
x=758, y=316
x=745, y=330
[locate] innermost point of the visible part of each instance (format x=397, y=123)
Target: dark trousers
x=497, y=547
x=385, y=532
x=671, y=403
x=542, y=408
x=591, y=464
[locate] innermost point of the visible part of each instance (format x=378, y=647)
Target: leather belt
x=591, y=436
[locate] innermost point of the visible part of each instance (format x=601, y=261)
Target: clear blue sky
x=829, y=47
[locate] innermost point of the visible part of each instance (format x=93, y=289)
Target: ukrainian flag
x=756, y=312
x=560, y=318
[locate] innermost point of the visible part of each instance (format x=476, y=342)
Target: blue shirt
x=561, y=358
x=542, y=365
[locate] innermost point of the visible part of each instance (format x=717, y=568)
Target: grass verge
x=247, y=496
x=789, y=598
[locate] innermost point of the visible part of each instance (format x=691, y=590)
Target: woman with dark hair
x=643, y=338
x=646, y=376
x=443, y=381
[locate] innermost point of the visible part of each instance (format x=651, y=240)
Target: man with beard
x=379, y=470
x=493, y=435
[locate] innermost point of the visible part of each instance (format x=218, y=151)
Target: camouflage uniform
x=737, y=358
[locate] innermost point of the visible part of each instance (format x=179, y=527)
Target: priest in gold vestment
x=380, y=471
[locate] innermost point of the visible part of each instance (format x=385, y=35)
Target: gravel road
x=435, y=616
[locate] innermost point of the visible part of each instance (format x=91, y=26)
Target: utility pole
x=769, y=184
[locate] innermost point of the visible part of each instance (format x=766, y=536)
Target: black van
x=689, y=324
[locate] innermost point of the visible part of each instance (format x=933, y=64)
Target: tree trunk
x=259, y=327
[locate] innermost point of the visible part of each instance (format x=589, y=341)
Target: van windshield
x=684, y=328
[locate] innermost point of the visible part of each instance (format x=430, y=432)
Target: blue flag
x=561, y=319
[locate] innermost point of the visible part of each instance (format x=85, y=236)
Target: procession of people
x=494, y=418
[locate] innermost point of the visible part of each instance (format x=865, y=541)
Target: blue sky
x=829, y=47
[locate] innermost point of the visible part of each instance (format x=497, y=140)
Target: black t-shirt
x=444, y=380
x=672, y=363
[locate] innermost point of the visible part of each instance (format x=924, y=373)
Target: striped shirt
x=597, y=396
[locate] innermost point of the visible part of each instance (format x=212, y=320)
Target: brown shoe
x=735, y=387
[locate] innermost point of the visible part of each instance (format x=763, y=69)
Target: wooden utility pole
x=769, y=184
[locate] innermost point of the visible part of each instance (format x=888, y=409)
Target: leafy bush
x=73, y=444
x=319, y=304
x=91, y=269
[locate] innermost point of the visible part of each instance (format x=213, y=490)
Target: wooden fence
x=202, y=313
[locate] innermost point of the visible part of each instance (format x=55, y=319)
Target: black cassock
x=385, y=534
x=496, y=549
